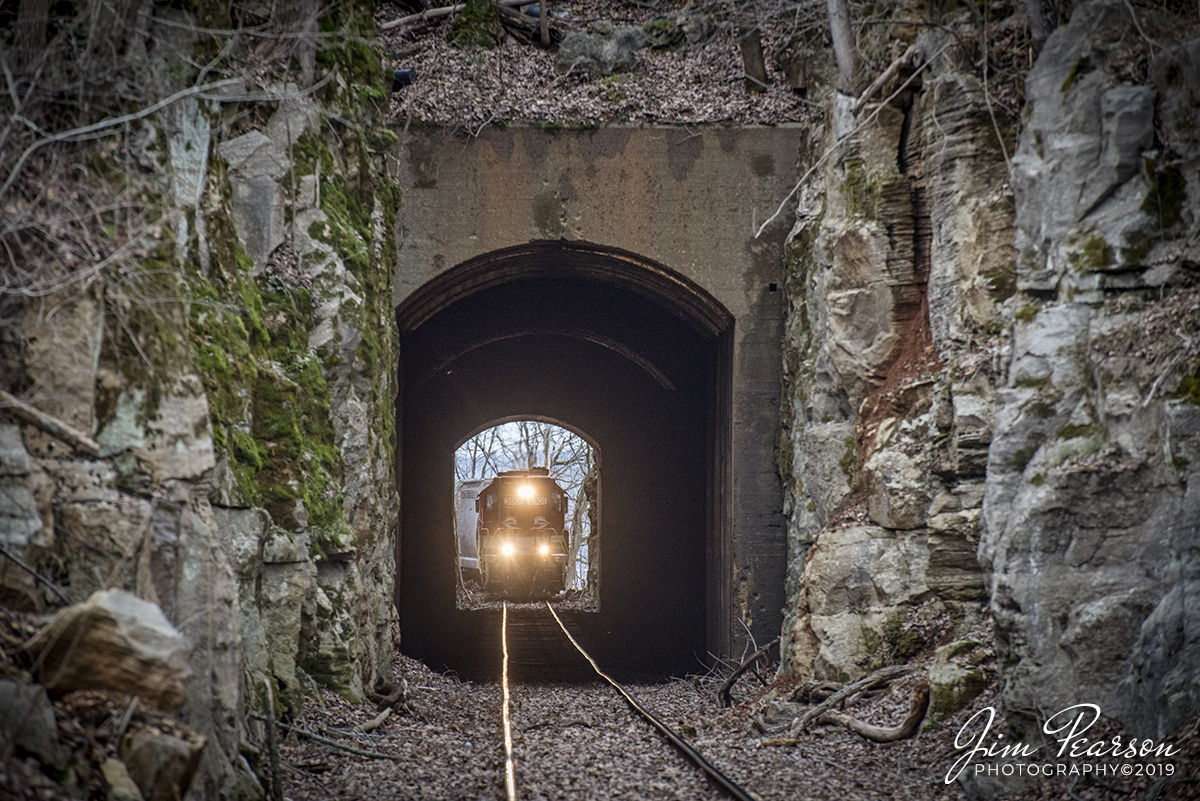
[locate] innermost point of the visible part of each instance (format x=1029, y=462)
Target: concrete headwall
x=690, y=200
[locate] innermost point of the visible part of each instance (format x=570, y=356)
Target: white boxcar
x=466, y=520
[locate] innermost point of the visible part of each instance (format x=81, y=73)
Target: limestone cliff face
x=233, y=368
x=1092, y=509
x=993, y=377
x=900, y=261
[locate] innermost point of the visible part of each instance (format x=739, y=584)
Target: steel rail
x=714, y=775
x=510, y=782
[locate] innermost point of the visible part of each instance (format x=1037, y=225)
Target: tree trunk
x=544, y=22
x=576, y=532
x=845, y=49
x=750, y=42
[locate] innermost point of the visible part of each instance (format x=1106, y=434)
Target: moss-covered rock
x=955, y=678
x=477, y=26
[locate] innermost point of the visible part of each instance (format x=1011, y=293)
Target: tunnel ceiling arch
x=619, y=347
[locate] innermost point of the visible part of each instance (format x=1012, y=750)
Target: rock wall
x=900, y=262
x=993, y=376
x=1092, y=510
x=233, y=370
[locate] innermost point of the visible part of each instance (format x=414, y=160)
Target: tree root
x=887, y=734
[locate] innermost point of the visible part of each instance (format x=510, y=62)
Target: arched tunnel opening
x=614, y=345
x=521, y=543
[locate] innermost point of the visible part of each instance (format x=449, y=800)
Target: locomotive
x=521, y=538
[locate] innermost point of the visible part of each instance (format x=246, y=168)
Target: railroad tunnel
x=628, y=352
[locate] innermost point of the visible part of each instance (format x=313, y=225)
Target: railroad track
x=551, y=627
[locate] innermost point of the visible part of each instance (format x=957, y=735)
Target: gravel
x=582, y=741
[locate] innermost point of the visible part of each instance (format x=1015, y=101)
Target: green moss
x=1022, y=457
x=1002, y=282
x=1027, y=313
x=946, y=699
x=1078, y=70
x=1038, y=479
x=1168, y=192
x=1038, y=408
x=350, y=46
x=1028, y=382
x=145, y=330
x=1074, y=430
x=871, y=641
x=664, y=34
x=1189, y=388
x=476, y=26
x=1138, y=245
x=1094, y=254
x=903, y=643
x=860, y=191
x=849, y=463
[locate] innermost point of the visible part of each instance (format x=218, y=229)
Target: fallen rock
x=604, y=51
x=27, y=722
x=119, y=783
x=477, y=26
x=162, y=766
x=954, y=678
x=114, y=641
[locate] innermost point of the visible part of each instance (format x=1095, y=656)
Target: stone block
x=161, y=766
x=114, y=641
x=14, y=459
x=118, y=783
x=27, y=724
x=954, y=678
x=604, y=51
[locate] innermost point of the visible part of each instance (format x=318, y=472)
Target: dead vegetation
x=582, y=741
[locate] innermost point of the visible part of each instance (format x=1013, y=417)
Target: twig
x=1138, y=25
x=51, y=425
x=884, y=734
x=332, y=743
x=842, y=140
x=881, y=676
x=49, y=584
x=114, y=728
x=479, y=130
x=272, y=741
x=267, y=97
x=727, y=685
x=884, y=77
x=375, y=722
x=111, y=122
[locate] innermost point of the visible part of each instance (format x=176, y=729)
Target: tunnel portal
x=628, y=352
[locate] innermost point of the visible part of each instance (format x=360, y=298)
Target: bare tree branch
x=84, y=132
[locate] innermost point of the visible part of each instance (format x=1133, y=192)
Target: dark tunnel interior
x=626, y=352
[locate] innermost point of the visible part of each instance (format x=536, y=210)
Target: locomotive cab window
x=526, y=518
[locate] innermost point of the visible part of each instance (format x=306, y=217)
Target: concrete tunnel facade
x=608, y=279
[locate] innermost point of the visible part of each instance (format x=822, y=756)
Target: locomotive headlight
x=544, y=550
x=525, y=490
x=507, y=549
